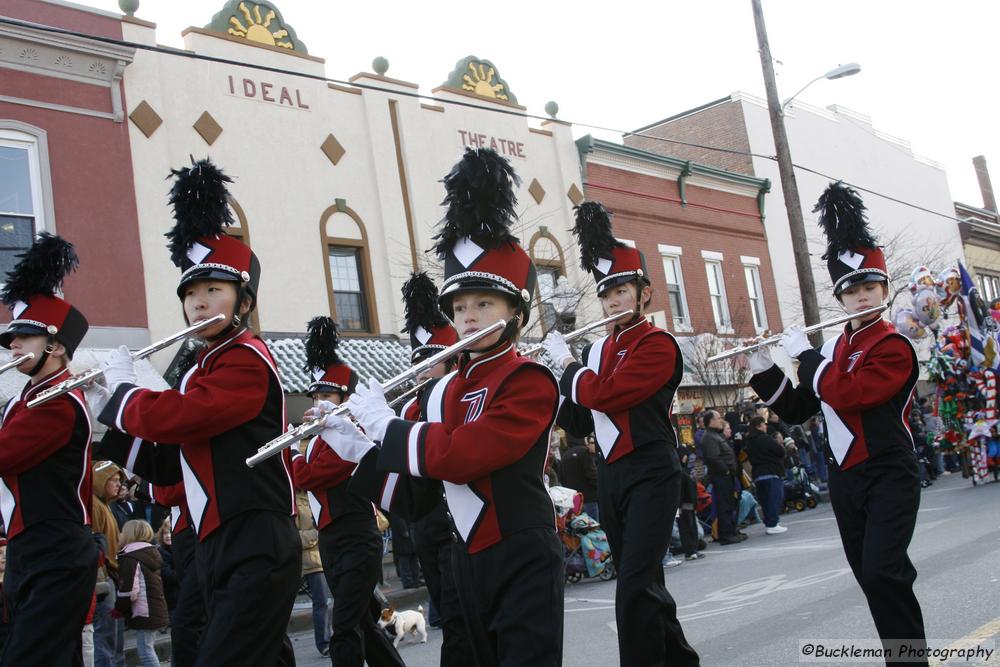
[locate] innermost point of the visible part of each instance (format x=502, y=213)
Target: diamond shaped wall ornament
x=536, y=190
x=207, y=128
x=332, y=149
x=574, y=195
x=145, y=118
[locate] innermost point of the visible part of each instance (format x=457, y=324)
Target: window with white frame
x=21, y=200
x=717, y=292
x=675, y=287
x=989, y=286
x=751, y=271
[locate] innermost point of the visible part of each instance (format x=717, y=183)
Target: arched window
x=547, y=255
x=25, y=189
x=241, y=230
x=348, y=270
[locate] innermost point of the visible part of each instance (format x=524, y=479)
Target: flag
x=982, y=341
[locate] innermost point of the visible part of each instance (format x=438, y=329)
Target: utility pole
x=800, y=244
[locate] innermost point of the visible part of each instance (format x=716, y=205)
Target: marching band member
x=623, y=391
x=863, y=380
x=350, y=544
x=486, y=429
x=430, y=332
x=45, y=492
x=248, y=553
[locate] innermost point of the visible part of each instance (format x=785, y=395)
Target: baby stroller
x=585, y=546
x=800, y=493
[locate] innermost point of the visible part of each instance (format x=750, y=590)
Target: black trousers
x=49, y=583
x=638, y=496
x=687, y=522
x=876, y=504
x=724, y=486
x=351, y=549
x=249, y=569
x=512, y=599
x=436, y=563
x=188, y=619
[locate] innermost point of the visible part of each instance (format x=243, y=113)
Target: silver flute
x=773, y=340
x=82, y=379
x=16, y=361
x=315, y=426
x=576, y=333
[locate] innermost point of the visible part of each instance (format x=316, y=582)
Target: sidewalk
x=301, y=618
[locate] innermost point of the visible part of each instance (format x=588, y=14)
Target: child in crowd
x=140, y=598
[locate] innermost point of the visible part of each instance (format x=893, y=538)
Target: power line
x=416, y=95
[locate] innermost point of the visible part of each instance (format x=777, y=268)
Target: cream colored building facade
x=348, y=172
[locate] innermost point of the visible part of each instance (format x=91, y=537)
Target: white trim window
x=989, y=287
x=676, y=298
x=751, y=272
x=22, y=209
x=717, y=294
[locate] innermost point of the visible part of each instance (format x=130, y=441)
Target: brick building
x=913, y=212
x=706, y=250
x=980, y=229
x=66, y=165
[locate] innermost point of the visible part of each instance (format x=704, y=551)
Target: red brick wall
x=92, y=181
x=647, y=210
x=721, y=126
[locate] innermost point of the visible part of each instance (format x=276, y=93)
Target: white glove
x=760, y=360
x=344, y=438
x=119, y=368
x=318, y=410
x=97, y=396
x=556, y=347
x=369, y=407
x=795, y=342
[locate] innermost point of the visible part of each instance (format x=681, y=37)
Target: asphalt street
x=755, y=603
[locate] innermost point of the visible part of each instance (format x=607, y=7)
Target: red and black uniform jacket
x=486, y=438
x=172, y=497
x=45, y=459
x=227, y=405
x=325, y=476
x=624, y=390
x=863, y=381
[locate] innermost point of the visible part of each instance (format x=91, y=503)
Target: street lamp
x=850, y=69
x=789, y=188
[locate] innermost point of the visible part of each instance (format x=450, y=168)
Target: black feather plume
x=480, y=199
x=321, y=344
x=593, y=234
x=843, y=219
x=420, y=296
x=201, y=206
x=41, y=269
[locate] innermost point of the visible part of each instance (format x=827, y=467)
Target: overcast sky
x=929, y=69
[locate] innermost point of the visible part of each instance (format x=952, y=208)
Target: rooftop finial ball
x=551, y=108
x=380, y=65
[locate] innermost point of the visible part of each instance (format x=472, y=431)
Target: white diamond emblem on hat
x=604, y=265
x=18, y=308
x=198, y=252
x=852, y=259
x=318, y=373
x=466, y=251
x=423, y=335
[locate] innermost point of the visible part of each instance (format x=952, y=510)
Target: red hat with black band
x=611, y=262
x=475, y=243
x=31, y=291
x=329, y=372
x=198, y=243
x=430, y=331
x=852, y=255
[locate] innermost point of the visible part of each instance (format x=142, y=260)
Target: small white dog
x=405, y=622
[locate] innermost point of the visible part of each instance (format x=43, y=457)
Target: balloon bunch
x=930, y=298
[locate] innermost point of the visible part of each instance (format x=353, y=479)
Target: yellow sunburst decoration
x=257, y=27
x=481, y=82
